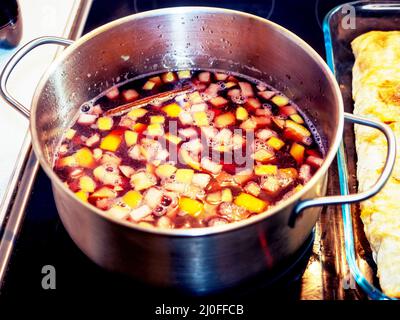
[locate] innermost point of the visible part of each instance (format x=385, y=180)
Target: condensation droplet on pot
x=125, y=57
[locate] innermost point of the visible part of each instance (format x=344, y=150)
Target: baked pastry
x=376, y=92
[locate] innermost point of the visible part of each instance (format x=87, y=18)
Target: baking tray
x=341, y=26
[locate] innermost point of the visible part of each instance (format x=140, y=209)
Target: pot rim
x=334, y=145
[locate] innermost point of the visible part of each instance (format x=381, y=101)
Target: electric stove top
x=44, y=241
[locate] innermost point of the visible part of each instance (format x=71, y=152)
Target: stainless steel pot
x=206, y=259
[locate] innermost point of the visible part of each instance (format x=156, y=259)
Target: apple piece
x=165, y=170
x=194, y=146
x=280, y=100
x=87, y=184
x=188, y=133
x=267, y=95
x=314, y=161
x=219, y=76
x=97, y=154
x=187, y=159
x=140, y=213
x=119, y=212
x=205, y=77
x=130, y=95
x=275, y=143
x=210, y=166
x=143, y=180
x=155, y=130
x=261, y=87
x=104, y=192
x=297, y=132
x=168, y=77
x=172, y=110
x=93, y=140
x=137, y=113
x=279, y=122
x=219, y=102
x=241, y=114
x=224, y=120
x=287, y=110
x=214, y=197
x=153, y=197
x=265, y=169
x=184, y=74
x=249, y=125
x=185, y=118
x=265, y=134
x=149, y=85
x=127, y=171
x=84, y=158
x=226, y=195
x=157, y=80
x=200, y=119
x=201, y=179
x=251, y=203
x=110, y=158
x=290, y=173
x=243, y=176
x=198, y=107
x=105, y=123
x=70, y=134
x=263, y=155
x=131, y=137
x=253, y=188
x=253, y=103
x=195, y=97
x=246, y=88
x=112, y=93
x=184, y=175
x=209, y=132
x=111, y=142
x=86, y=119
x=263, y=121
x=305, y=174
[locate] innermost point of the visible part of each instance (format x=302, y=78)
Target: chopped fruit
x=199, y=107
x=153, y=197
x=127, y=171
x=168, y=77
x=87, y=119
x=252, y=188
x=263, y=112
x=111, y=142
x=143, y=180
x=70, y=134
x=195, y=98
x=241, y=114
x=265, y=134
x=184, y=74
x=104, y=192
x=297, y=152
x=219, y=76
x=194, y=146
x=262, y=121
x=250, y=203
x=139, y=127
x=261, y=87
x=280, y=101
x=130, y=138
x=119, y=212
x=110, y=158
x=188, y=132
x=87, y=184
x=226, y=195
x=82, y=195
x=140, y=213
x=149, y=85
x=172, y=110
x=263, y=155
x=279, y=122
x=184, y=175
x=289, y=172
x=224, y=120
x=157, y=119
x=275, y=143
x=246, y=88
x=69, y=161
x=97, y=154
x=297, y=132
x=156, y=80
x=214, y=198
x=205, y=77
x=172, y=138
x=211, y=166
x=185, y=118
x=230, y=84
x=136, y=113
x=305, y=173
x=219, y=102
x=200, y=119
x=84, y=158
x=267, y=95
x=187, y=159
x=132, y=198
x=297, y=118
x=243, y=176
x=93, y=140
x=201, y=179
x=287, y=110
x=314, y=161
x=165, y=170
x=250, y=124
x=253, y=103
x=105, y=123
x=113, y=93
x=130, y=95
x=155, y=129
x=190, y=206
x=265, y=169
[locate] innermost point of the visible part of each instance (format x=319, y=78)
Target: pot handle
x=10, y=65
x=352, y=198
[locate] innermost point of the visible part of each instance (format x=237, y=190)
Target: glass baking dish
x=341, y=25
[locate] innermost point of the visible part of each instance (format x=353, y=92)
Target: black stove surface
x=44, y=241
